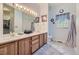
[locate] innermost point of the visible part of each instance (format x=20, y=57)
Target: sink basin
x=27, y=32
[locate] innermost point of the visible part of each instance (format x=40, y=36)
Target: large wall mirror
x=8, y=19
x=27, y=22
x=23, y=22
x=16, y=20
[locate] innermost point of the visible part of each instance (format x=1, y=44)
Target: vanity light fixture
x=26, y=9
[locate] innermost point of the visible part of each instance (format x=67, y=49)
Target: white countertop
x=17, y=37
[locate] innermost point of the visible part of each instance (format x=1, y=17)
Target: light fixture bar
x=26, y=9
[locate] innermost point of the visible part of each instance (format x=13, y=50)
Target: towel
x=71, y=40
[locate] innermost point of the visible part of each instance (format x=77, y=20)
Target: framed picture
x=44, y=18
x=37, y=19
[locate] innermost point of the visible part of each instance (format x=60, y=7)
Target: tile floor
x=47, y=50
x=65, y=50
x=55, y=48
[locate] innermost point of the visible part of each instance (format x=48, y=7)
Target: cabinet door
x=3, y=50
x=41, y=40
x=27, y=46
x=45, y=38
x=24, y=46
x=12, y=48
x=21, y=47
x=8, y=49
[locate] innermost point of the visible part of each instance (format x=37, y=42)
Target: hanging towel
x=71, y=40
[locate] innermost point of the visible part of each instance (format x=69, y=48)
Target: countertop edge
x=17, y=39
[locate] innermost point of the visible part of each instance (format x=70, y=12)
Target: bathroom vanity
x=20, y=35
x=25, y=44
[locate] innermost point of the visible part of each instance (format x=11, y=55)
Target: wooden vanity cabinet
x=9, y=49
x=35, y=43
x=45, y=38
x=24, y=46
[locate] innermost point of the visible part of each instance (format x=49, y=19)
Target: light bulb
x=16, y=5
x=27, y=9
x=24, y=8
x=20, y=6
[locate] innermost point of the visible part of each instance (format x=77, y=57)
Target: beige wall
x=41, y=9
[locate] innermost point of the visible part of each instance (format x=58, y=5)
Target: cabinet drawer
x=35, y=37
x=35, y=47
x=35, y=41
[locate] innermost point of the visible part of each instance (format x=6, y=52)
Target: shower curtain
x=71, y=40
